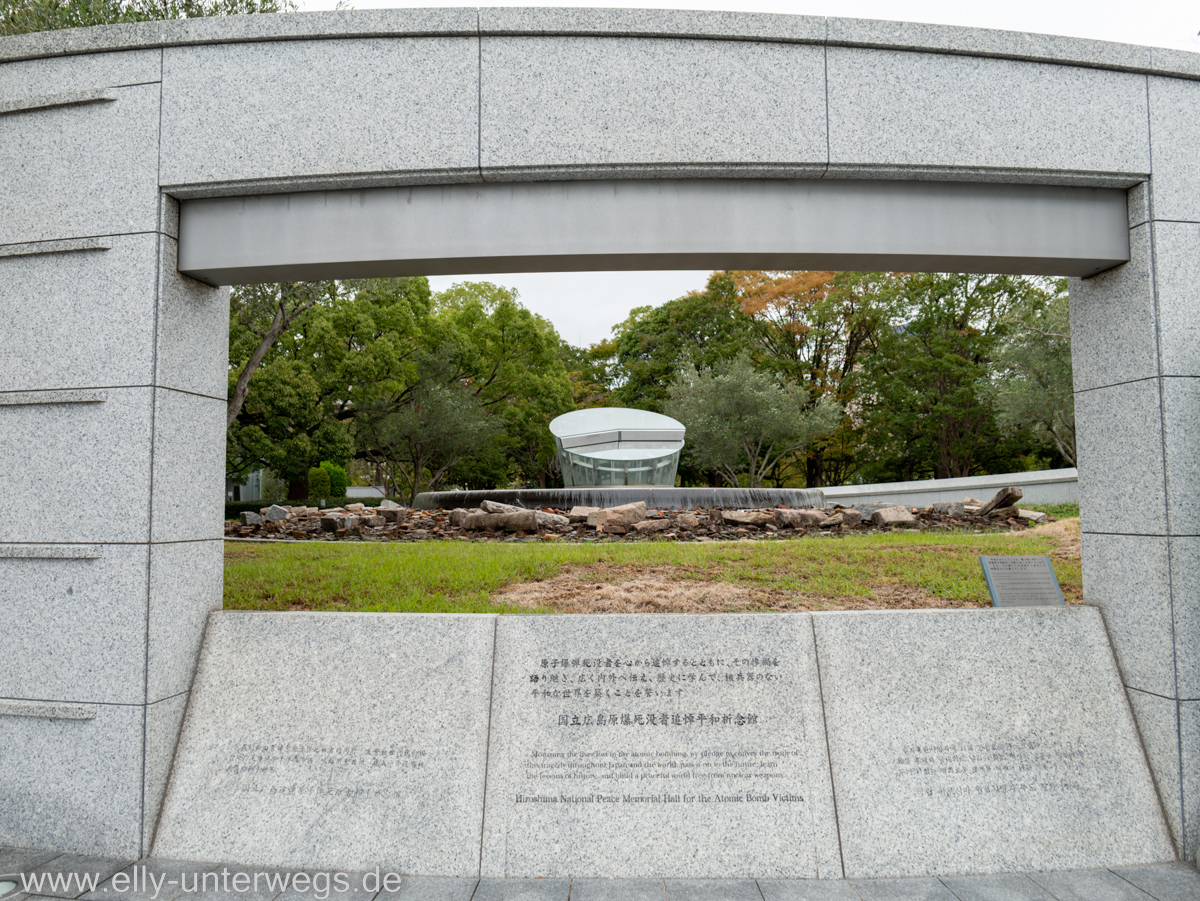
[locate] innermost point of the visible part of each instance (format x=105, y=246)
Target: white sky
x=584, y=306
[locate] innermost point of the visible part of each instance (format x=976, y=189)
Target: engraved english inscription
x=639, y=746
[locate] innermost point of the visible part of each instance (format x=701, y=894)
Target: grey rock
x=276, y=513
x=1034, y=515
x=520, y=521
x=951, y=508
x=624, y=515
x=601, y=831
x=307, y=762
x=249, y=518
x=550, y=520
x=1005, y=497
x=893, y=516
x=580, y=514
x=388, y=504
x=374, y=522
x=653, y=525
x=394, y=513
x=799, y=518
x=331, y=523
x=497, y=507
x=356, y=508
x=748, y=517
x=955, y=723
x=836, y=520
x=688, y=521
x=458, y=516
x=1002, y=512
x=851, y=516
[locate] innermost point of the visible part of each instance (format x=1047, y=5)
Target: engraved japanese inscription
x=634, y=746
x=1022, y=581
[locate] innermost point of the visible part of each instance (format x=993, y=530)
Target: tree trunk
x=814, y=470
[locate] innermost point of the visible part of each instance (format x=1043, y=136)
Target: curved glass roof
x=608, y=419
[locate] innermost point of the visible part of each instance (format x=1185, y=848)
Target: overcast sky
x=584, y=306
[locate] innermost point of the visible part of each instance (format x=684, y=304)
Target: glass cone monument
x=617, y=446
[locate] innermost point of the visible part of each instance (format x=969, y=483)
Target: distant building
x=617, y=446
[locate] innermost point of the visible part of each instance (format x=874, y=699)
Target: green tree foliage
x=319, y=483
x=741, y=421
x=926, y=386
x=23, y=16
x=338, y=479
x=1034, y=388
x=692, y=333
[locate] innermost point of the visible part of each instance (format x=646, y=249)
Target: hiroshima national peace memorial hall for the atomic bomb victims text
x=147, y=167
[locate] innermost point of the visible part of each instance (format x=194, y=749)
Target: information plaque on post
x=1022, y=582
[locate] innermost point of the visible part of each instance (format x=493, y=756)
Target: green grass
x=1058, y=511
x=461, y=577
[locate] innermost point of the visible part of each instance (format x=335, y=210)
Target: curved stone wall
x=112, y=388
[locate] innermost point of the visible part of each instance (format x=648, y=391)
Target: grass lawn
x=890, y=571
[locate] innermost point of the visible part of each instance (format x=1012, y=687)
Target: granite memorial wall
x=763, y=746
x=254, y=144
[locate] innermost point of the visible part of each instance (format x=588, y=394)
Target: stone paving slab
x=1156, y=882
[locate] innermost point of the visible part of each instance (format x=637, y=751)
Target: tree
x=258, y=316
x=23, y=16
x=1035, y=384
x=926, y=386
x=694, y=332
x=740, y=420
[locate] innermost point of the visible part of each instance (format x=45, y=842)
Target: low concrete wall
x=1051, y=486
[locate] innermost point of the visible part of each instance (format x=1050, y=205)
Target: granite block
x=23, y=860
x=806, y=890
x=619, y=890
x=1138, y=201
x=573, y=105
x=1164, y=882
x=1180, y=437
x=79, y=319
x=522, y=890
x=1174, y=136
x=1010, y=887
x=901, y=890
x=185, y=587
x=356, y=891
x=189, y=466
x=81, y=170
x=78, y=73
x=352, y=106
x=673, y=23
x=163, y=722
x=1159, y=728
x=977, y=112
x=350, y=741
x=193, y=331
x=947, y=727
x=98, y=457
x=73, y=784
x=69, y=875
x=712, y=890
x=986, y=42
x=1177, y=272
x=432, y=888
x=1120, y=459
x=74, y=629
x=711, y=732
x=1189, y=741
x=1089, y=885
x=1114, y=334
x=1129, y=578
x=155, y=880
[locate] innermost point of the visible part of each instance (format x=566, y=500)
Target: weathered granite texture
x=1177, y=271
x=79, y=73
x=185, y=587
x=1175, y=134
x=193, y=330
x=983, y=741
x=352, y=106
x=712, y=732
x=351, y=741
x=99, y=456
x=189, y=466
x=976, y=112
x=81, y=170
x=73, y=783
x=570, y=105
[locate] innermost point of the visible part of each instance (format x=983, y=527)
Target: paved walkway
x=58, y=877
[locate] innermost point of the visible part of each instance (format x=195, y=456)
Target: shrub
x=338, y=480
x=319, y=483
